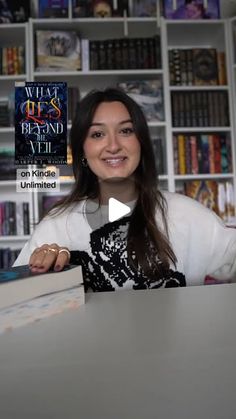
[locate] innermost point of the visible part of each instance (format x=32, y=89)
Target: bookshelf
x=100, y=30
x=14, y=40
x=216, y=125
x=200, y=34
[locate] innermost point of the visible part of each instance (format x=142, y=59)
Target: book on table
x=26, y=297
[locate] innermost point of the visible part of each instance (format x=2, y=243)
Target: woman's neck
x=123, y=190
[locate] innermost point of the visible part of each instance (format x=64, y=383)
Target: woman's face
x=111, y=147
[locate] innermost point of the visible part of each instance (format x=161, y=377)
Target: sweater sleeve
x=202, y=243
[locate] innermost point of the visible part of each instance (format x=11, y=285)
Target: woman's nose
x=113, y=144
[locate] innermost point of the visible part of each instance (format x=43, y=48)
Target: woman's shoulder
x=185, y=209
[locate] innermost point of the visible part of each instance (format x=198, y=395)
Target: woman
x=168, y=240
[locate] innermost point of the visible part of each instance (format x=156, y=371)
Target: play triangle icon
x=116, y=210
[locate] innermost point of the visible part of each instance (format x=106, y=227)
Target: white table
x=126, y=355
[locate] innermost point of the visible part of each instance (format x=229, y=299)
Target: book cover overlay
x=40, y=123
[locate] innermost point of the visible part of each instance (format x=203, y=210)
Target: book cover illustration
x=149, y=95
x=205, y=66
x=40, y=123
x=53, y=8
x=58, y=50
x=191, y=9
x=205, y=192
x=14, y=11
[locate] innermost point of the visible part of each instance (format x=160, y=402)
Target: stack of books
x=26, y=297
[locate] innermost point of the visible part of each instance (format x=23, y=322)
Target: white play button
x=116, y=209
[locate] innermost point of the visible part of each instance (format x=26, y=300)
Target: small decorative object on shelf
x=14, y=11
x=191, y=9
x=52, y=8
x=102, y=8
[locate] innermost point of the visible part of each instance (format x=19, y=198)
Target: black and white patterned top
x=105, y=264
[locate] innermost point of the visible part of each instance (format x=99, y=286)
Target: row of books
x=217, y=196
x=64, y=50
x=200, y=109
x=7, y=110
x=14, y=218
x=125, y=53
x=198, y=66
x=202, y=153
x=8, y=257
x=12, y=60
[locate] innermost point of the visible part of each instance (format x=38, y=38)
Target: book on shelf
x=100, y=8
x=8, y=257
x=53, y=8
x=123, y=53
x=48, y=201
x=191, y=9
x=197, y=66
x=73, y=100
x=12, y=60
x=40, y=123
x=158, y=148
x=149, y=95
x=205, y=69
x=27, y=297
x=7, y=164
x=215, y=195
x=14, y=11
x=81, y=8
x=200, y=108
x=144, y=8
x=58, y=51
x=14, y=218
x=7, y=111
x=202, y=153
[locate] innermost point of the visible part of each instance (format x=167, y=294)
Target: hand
x=48, y=255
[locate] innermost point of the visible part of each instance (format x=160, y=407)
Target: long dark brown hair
x=146, y=240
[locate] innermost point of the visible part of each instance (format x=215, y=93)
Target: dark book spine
x=118, y=54
x=189, y=65
x=26, y=222
x=102, y=58
x=132, y=53
x=125, y=53
x=188, y=159
x=110, y=55
x=145, y=55
x=94, y=55
x=205, y=154
x=176, y=67
x=139, y=53
x=183, y=67
x=175, y=109
x=225, y=154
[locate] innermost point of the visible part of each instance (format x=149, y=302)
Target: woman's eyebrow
x=103, y=123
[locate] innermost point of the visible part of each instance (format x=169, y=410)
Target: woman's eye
x=127, y=131
x=96, y=134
